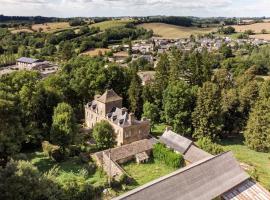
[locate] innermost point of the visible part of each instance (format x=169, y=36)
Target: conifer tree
x=207, y=118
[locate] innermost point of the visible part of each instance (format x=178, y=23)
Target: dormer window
x=121, y=121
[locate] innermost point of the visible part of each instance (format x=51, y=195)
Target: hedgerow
x=167, y=156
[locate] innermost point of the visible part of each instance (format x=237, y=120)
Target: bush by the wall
x=207, y=145
x=167, y=156
x=53, y=151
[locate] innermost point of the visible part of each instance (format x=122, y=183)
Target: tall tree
x=161, y=79
x=135, y=95
x=103, y=134
x=11, y=133
x=151, y=111
x=257, y=133
x=207, y=118
x=64, y=126
x=178, y=103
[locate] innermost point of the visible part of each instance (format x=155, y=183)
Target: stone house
x=110, y=160
x=108, y=107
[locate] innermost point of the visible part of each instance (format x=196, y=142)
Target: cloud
x=135, y=7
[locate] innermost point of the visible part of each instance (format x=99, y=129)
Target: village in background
x=134, y=108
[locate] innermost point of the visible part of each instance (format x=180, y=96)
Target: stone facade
x=108, y=107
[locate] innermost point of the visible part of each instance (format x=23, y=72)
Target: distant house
x=147, y=77
x=28, y=63
x=44, y=67
x=108, y=107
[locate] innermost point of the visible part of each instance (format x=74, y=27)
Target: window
x=127, y=134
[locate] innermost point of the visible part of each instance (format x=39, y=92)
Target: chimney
x=131, y=118
x=124, y=110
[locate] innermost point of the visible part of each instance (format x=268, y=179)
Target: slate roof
x=194, y=154
x=132, y=149
x=109, y=96
x=183, y=145
x=175, y=141
x=128, y=150
x=27, y=60
x=203, y=180
x=248, y=190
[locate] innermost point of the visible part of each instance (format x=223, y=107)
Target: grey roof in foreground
x=27, y=60
x=203, y=180
x=175, y=141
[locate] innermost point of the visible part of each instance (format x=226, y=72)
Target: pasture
x=257, y=27
x=173, y=32
x=109, y=24
x=261, y=36
x=95, y=52
x=51, y=27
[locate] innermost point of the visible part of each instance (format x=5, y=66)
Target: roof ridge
x=173, y=174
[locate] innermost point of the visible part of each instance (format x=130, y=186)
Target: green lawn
x=158, y=129
x=69, y=169
x=109, y=24
x=261, y=161
x=144, y=173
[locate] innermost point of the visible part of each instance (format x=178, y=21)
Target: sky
x=90, y=8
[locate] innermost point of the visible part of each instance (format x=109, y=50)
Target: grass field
x=68, y=169
x=172, y=31
x=158, y=129
x=261, y=36
x=51, y=27
x=144, y=173
x=257, y=27
x=46, y=27
x=95, y=52
x=261, y=161
x=109, y=24
x=20, y=30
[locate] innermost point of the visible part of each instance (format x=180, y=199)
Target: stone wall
x=115, y=170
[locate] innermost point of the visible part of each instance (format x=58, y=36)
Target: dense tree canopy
x=103, y=134
x=64, y=126
x=179, y=102
x=207, y=118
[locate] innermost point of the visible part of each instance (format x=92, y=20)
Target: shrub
x=57, y=155
x=84, y=158
x=207, y=145
x=74, y=150
x=167, y=156
x=53, y=151
x=91, y=168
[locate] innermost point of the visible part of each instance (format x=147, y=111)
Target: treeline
x=180, y=21
x=66, y=44
x=200, y=95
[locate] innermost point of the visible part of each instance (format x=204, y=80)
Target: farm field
x=95, y=52
x=260, y=161
x=51, y=27
x=172, y=31
x=257, y=27
x=261, y=36
x=109, y=24
x=46, y=27
x=20, y=30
